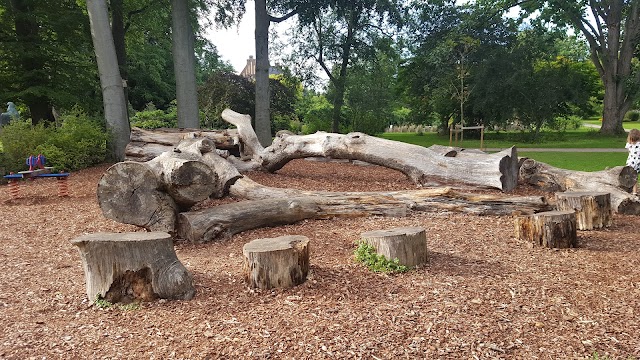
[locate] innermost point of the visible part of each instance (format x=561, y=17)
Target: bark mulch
x=483, y=294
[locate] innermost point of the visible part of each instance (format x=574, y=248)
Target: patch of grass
x=101, y=303
x=367, y=255
x=586, y=161
x=581, y=138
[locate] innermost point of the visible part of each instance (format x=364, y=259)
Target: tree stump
x=593, y=209
x=276, y=262
x=137, y=266
x=407, y=244
x=552, y=229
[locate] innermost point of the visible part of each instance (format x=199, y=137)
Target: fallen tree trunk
x=147, y=144
x=275, y=206
x=422, y=165
x=150, y=194
x=617, y=181
x=128, y=192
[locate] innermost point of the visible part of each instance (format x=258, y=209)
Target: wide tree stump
x=407, y=244
x=593, y=209
x=276, y=262
x=552, y=229
x=138, y=266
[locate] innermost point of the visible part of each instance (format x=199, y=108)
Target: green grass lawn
x=582, y=138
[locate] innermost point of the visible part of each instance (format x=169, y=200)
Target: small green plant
x=367, y=255
x=102, y=303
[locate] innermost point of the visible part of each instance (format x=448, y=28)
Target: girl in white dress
x=633, y=160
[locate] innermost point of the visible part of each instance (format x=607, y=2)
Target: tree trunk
x=551, y=229
x=614, y=105
x=263, y=116
x=407, y=244
x=124, y=267
x=128, y=192
x=280, y=262
x=147, y=144
x=115, y=105
x=617, y=181
x=593, y=209
x=150, y=194
x=184, y=64
x=224, y=221
x=423, y=166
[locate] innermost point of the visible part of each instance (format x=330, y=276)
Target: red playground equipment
x=37, y=169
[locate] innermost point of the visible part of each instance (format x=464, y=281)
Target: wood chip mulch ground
x=484, y=294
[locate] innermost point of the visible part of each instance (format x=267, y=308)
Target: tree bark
x=593, y=209
x=423, y=166
x=184, y=64
x=617, y=181
x=128, y=192
x=147, y=144
x=552, y=229
x=407, y=244
x=263, y=116
x=280, y=262
x=123, y=267
x=115, y=105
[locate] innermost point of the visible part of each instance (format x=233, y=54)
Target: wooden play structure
x=37, y=169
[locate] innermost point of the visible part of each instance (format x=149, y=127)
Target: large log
x=444, y=199
x=150, y=194
x=128, y=192
x=422, y=165
x=125, y=267
x=617, y=181
x=147, y=144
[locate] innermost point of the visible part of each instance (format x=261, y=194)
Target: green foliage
x=20, y=139
x=152, y=118
x=103, y=304
x=633, y=115
x=79, y=142
x=315, y=113
x=224, y=90
x=367, y=255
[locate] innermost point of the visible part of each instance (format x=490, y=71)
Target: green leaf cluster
x=77, y=143
x=367, y=255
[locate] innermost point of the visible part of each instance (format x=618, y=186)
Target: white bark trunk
x=424, y=166
x=184, y=64
x=114, y=101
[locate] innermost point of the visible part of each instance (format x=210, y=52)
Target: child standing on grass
x=633, y=160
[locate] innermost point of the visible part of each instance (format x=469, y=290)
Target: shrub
x=152, y=118
x=633, y=115
x=78, y=143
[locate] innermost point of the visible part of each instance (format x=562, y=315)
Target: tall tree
x=115, y=105
x=335, y=32
x=612, y=29
x=263, y=113
x=46, y=56
x=185, y=65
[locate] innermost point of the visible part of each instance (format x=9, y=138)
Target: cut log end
x=276, y=262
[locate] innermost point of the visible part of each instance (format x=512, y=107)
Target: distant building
x=249, y=70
